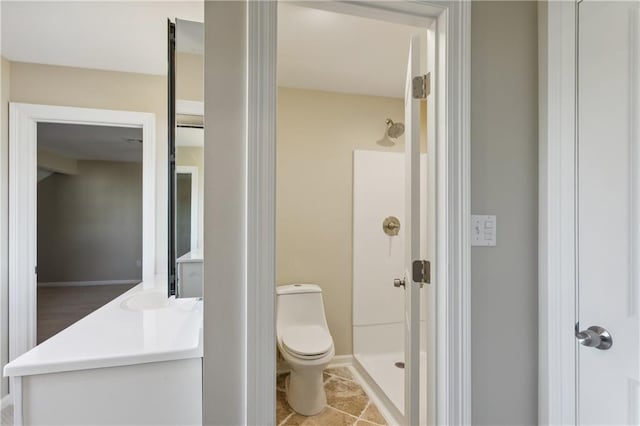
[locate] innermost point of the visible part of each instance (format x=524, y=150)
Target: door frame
x=195, y=206
x=23, y=143
x=557, y=348
x=452, y=266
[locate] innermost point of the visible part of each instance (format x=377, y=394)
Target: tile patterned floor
x=347, y=403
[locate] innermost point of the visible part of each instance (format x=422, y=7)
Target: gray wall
x=5, y=71
x=224, y=217
x=504, y=175
x=90, y=224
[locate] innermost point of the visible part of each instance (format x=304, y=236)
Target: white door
x=608, y=249
x=412, y=238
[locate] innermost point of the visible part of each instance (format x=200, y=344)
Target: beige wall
x=224, y=343
x=90, y=224
x=54, y=85
x=317, y=133
x=504, y=175
x=189, y=76
x=5, y=74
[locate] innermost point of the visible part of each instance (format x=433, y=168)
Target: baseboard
x=338, y=361
x=341, y=361
x=6, y=401
x=87, y=283
x=377, y=395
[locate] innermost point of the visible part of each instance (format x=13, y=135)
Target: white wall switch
x=483, y=230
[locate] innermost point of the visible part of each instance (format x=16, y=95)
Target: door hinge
x=421, y=86
x=422, y=271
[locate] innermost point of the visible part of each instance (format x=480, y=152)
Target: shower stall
x=378, y=273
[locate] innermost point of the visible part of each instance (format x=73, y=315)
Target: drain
x=399, y=364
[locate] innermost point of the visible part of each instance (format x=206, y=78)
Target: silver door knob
x=398, y=282
x=594, y=337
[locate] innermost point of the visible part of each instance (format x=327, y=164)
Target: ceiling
x=323, y=50
x=317, y=49
x=110, y=35
x=83, y=142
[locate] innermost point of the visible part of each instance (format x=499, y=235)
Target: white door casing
x=23, y=121
x=608, y=210
x=556, y=270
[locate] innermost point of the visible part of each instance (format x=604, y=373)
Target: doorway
x=26, y=123
x=89, y=220
x=345, y=145
x=454, y=156
x=336, y=122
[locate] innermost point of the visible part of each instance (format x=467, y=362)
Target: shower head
x=394, y=130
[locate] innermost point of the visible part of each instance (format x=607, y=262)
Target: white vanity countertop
x=192, y=256
x=137, y=327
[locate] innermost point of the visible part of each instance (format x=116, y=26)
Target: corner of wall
x=5, y=74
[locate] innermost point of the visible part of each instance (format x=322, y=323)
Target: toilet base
x=305, y=391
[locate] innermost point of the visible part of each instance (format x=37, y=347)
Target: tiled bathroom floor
x=347, y=403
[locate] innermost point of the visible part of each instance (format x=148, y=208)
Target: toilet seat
x=307, y=342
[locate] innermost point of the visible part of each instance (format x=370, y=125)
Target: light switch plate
x=483, y=230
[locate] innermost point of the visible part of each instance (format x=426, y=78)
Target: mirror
x=186, y=158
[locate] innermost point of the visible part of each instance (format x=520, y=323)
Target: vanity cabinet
x=190, y=272
x=156, y=393
x=135, y=361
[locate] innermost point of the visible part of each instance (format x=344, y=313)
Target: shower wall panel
x=378, y=306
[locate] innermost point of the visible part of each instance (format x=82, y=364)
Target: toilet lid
x=307, y=340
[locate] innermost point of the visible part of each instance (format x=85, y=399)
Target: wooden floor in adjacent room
x=59, y=307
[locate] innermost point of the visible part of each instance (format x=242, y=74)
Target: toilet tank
x=299, y=304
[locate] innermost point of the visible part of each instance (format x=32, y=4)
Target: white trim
x=87, y=283
x=392, y=415
x=23, y=120
x=15, y=384
x=452, y=266
x=341, y=361
x=195, y=204
x=556, y=291
x=261, y=209
x=189, y=107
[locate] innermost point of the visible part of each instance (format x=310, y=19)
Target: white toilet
x=305, y=343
